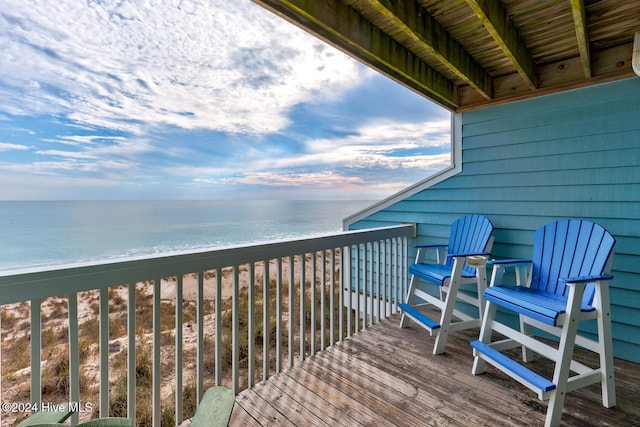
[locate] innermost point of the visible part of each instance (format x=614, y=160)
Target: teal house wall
x=524, y=164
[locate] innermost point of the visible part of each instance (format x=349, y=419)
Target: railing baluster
x=131, y=352
x=74, y=353
x=36, y=351
x=358, y=289
x=396, y=272
x=1, y=371
x=332, y=296
x=367, y=289
x=104, y=351
x=346, y=286
x=387, y=281
x=404, y=263
x=302, y=306
x=235, y=331
x=380, y=297
x=312, y=281
x=266, y=321
x=200, y=335
x=323, y=297
x=179, y=351
x=279, y=314
x=251, y=325
x=291, y=323
x=218, y=338
x=155, y=371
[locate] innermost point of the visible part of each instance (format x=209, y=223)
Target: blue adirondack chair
x=469, y=245
x=567, y=282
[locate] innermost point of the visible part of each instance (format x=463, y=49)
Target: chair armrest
x=421, y=255
x=585, y=279
x=519, y=265
x=468, y=254
x=514, y=262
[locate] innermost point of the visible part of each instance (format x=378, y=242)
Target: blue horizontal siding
x=524, y=164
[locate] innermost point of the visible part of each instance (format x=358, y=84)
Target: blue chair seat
x=537, y=304
x=435, y=273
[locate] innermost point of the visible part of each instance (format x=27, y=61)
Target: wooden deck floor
x=386, y=376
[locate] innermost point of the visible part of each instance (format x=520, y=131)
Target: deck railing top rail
x=27, y=284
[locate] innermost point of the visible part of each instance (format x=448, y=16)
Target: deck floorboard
x=386, y=376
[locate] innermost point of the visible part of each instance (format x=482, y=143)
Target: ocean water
x=43, y=233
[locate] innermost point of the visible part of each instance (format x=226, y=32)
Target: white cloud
x=330, y=180
x=83, y=140
x=148, y=94
x=375, y=145
x=5, y=146
x=228, y=66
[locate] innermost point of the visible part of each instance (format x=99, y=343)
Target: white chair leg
x=404, y=320
x=449, y=305
x=485, y=336
x=605, y=346
x=445, y=318
x=527, y=353
x=565, y=355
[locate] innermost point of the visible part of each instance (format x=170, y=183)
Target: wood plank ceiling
x=466, y=54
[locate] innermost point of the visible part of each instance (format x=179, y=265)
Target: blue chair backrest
x=469, y=234
x=569, y=248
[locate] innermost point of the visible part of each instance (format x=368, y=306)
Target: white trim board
x=454, y=169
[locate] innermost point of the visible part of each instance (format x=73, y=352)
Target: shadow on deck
x=388, y=376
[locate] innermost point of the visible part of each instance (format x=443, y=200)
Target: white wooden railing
x=333, y=272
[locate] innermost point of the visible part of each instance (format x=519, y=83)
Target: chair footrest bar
x=419, y=316
x=526, y=374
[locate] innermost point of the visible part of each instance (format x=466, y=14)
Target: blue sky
x=134, y=99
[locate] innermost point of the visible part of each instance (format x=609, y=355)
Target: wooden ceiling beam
x=343, y=27
x=607, y=65
x=580, y=20
x=496, y=20
x=427, y=32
